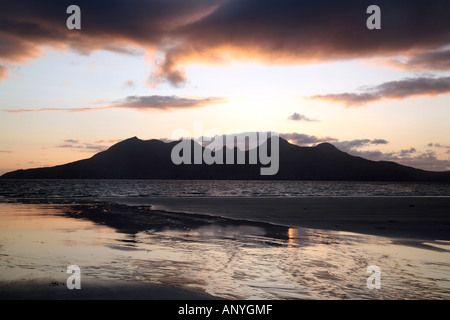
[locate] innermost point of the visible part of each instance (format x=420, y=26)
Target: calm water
x=163, y=188
x=39, y=241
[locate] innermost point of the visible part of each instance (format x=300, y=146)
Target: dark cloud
x=140, y=103
x=391, y=90
x=214, y=31
x=358, y=143
x=429, y=60
x=5, y=151
x=438, y=145
x=408, y=151
x=165, y=102
x=71, y=141
x=300, y=32
x=379, y=141
x=300, y=117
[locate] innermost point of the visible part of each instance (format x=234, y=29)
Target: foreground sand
x=401, y=217
x=411, y=221
x=47, y=289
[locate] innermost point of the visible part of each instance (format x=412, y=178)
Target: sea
x=215, y=188
x=42, y=233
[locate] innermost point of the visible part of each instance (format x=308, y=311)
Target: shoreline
x=421, y=218
x=424, y=218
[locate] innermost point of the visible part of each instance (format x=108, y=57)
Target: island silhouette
x=134, y=158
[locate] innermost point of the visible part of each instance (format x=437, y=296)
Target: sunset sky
x=311, y=71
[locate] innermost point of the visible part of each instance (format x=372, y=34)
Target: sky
x=311, y=71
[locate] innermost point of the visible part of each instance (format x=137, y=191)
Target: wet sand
x=425, y=218
x=38, y=241
x=47, y=289
x=139, y=252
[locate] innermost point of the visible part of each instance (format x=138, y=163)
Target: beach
x=225, y=248
x=48, y=289
x=425, y=218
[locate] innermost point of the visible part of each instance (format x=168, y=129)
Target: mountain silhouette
x=151, y=159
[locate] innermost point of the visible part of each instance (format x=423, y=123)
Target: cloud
x=95, y=148
x=426, y=160
x=292, y=32
x=358, y=143
x=438, y=145
x=68, y=146
x=304, y=139
x=141, y=103
x=129, y=84
x=300, y=117
x=71, y=141
x=408, y=151
x=80, y=146
x=218, y=31
x=379, y=141
x=3, y=73
x=110, y=141
x=409, y=157
x=5, y=151
x=165, y=102
x=391, y=90
x=429, y=60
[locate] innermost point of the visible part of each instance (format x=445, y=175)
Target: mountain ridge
x=134, y=158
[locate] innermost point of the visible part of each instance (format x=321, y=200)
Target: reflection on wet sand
x=223, y=257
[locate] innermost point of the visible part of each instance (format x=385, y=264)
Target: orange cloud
x=3, y=73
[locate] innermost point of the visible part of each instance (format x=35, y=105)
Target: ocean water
x=215, y=188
